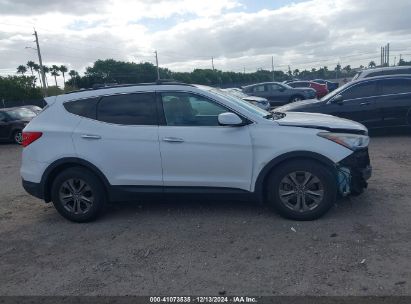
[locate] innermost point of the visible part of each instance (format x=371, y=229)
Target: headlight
x=351, y=141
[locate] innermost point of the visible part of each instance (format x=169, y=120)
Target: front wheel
x=302, y=189
x=78, y=195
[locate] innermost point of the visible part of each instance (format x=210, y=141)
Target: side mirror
x=338, y=100
x=229, y=119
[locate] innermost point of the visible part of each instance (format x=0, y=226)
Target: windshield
x=239, y=102
x=335, y=92
x=21, y=114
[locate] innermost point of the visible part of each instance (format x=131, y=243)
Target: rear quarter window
x=83, y=107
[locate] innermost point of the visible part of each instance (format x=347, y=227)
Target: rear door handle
x=173, y=139
x=90, y=136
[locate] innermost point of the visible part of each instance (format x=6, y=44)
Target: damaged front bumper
x=353, y=172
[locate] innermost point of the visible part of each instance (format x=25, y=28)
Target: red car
x=321, y=89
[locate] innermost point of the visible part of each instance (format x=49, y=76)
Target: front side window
x=396, y=86
x=185, y=109
x=128, y=109
x=366, y=89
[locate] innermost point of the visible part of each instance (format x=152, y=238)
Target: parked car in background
x=376, y=102
x=12, y=122
x=255, y=100
x=331, y=86
x=321, y=89
x=116, y=144
x=384, y=71
x=279, y=93
x=35, y=109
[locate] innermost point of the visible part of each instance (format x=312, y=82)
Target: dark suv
x=376, y=102
x=12, y=122
x=279, y=93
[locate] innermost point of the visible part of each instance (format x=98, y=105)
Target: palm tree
x=46, y=70
x=73, y=74
x=21, y=69
x=55, y=72
x=36, y=68
x=30, y=65
x=63, y=69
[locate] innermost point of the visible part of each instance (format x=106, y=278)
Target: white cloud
x=311, y=33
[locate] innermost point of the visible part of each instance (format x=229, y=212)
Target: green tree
x=55, y=72
x=30, y=65
x=46, y=70
x=63, y=69
x=21, y=69
x=16, y=88
x=36, y=67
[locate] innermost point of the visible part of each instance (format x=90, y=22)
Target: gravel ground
x=361, y=247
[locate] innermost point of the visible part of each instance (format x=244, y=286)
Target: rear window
x=83, y=107
x=128, y=109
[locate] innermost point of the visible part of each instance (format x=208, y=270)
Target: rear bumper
x=33, y=189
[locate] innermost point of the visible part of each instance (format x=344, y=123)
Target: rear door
x=359, y=104
x=121, y=139
x=394, y=103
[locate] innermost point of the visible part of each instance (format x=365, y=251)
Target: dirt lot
x=361, y=247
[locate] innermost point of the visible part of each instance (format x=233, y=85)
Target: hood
x=255, y=98
x=322, y=122
x=294, y=106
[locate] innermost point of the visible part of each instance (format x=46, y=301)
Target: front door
x=358, y=104
x=196, y=151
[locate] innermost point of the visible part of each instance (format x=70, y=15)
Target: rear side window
x=395, y=86
x=365, y=89
x=259, y=88
x=83, y=107
x=128, y=109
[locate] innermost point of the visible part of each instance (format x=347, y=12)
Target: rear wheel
x=78, y=195
x=18, y=137
x=302, y=189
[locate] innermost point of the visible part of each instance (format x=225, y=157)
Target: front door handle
x=173, y=139
x=365, y=103
x=90, y=136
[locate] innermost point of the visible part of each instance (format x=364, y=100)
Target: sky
x=239, y=34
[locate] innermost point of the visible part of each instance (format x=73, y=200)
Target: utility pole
x=272, y=67
x=158, y=70
x=41, y=64
x=212, y=62
x=388, y=54
x=383, y=57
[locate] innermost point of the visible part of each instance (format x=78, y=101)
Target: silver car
x=255, y=100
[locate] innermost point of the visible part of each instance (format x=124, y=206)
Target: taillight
x=29, y=137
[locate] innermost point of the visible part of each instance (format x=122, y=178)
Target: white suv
x=113, y=144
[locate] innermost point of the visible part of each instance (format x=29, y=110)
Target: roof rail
x=99, y=86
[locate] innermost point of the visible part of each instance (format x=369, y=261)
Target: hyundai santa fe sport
x=94, y=147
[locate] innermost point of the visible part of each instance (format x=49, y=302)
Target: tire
x=84, y=193
x=283, y=192
x=18, y=137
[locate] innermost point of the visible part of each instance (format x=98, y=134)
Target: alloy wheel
x=76, y=196
x=18, y=137
x=301, y=191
